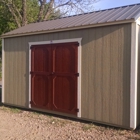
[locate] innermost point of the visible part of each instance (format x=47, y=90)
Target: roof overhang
x=138, y=21
x=69, y=29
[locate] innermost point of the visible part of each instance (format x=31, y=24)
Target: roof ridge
x=92, y=12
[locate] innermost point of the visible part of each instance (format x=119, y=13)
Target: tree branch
x=48, y=12
x=12, y=12
x=24, y=18
x=62, y=5
x=42, y=5
x=14, y=7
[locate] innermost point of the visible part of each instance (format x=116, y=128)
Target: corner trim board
x=2, y=70
x=79, y=66
x=138, y=21
x=133, y=75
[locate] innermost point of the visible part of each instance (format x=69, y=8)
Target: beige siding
x=106, y=75
x=105, y=71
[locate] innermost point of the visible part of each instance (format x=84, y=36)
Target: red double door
x=54, y=77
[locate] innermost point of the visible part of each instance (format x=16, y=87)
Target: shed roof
x=124, y=14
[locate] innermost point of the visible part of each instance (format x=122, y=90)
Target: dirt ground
x=17, y=124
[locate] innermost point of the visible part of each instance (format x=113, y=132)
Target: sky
x=106, y=4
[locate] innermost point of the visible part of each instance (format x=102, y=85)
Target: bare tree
x=47, y=8
x=69, y=7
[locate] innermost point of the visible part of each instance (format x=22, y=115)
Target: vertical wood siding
x=105, y=66
x=106, y=75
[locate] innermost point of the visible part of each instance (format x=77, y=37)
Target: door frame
x=79, y=66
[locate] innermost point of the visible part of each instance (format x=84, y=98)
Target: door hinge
x=77, y=44
x=77, y=74
x=32, y=47
x=77, y=110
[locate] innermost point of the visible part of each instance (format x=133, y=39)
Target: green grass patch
x=87, y=127
x=15, y=110
x=11, y=109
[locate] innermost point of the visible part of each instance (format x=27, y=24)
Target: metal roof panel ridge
x=115, y=15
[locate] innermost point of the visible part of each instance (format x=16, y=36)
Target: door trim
x=79, y=66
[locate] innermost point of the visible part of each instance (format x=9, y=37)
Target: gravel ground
x=17, y=124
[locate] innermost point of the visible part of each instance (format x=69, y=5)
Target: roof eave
x=68, y=29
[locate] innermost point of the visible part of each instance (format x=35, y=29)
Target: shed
x=85, y=66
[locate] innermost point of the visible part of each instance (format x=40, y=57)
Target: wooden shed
x=85, y=66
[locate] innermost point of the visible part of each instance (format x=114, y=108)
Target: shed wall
x=105, y=88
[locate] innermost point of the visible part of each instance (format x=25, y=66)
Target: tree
x=26, y=11
x=6, y=22
x=67, y=7
x=22, y=11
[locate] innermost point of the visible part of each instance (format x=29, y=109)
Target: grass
x=87, y=127
x=12, y=110
x=15, y=110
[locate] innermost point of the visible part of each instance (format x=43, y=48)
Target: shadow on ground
x=0, y=95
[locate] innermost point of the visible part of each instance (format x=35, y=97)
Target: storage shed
x=85, y=66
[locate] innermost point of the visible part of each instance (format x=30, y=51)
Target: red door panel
x=65, y=78
x=40, y=76
x=54, y=77
x=64, y=60
x=41, y=59
x=65, y=94
x=40, y=89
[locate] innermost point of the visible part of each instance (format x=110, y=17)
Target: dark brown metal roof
x=124, y=14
